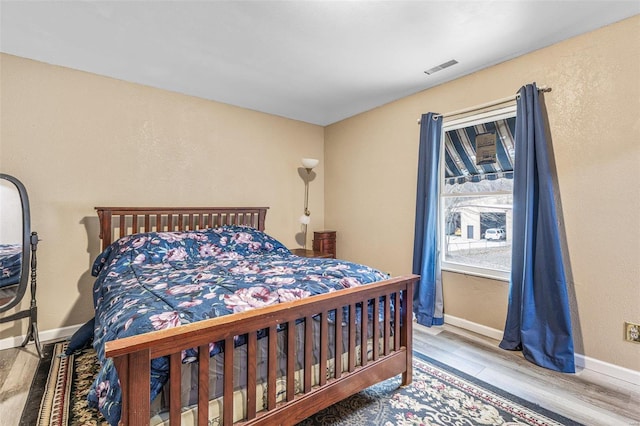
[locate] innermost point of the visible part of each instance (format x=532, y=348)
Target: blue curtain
x=427, y=303
x=538, y=318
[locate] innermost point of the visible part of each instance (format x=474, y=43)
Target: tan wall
x=77, y=140
x=594, y=115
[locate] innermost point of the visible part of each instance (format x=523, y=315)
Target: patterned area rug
x=439, y=395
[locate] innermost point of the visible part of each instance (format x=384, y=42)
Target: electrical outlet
x=632, y=332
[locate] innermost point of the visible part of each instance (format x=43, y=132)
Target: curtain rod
x=486, y=104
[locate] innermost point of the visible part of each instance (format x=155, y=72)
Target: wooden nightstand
x=310, y=253
x=325, y=242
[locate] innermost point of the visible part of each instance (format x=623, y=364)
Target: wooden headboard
x=117, y=222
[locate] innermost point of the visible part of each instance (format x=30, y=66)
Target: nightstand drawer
x=326, y=246
x=322, y=235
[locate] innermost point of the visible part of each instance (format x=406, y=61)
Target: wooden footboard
x=132, y=355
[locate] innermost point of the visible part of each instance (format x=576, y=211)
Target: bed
x=345, y=335
x=10, y=264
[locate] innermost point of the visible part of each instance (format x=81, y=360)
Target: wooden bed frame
x=132, y=355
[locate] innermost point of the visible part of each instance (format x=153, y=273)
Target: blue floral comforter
x=154, y=281
x=10, y=264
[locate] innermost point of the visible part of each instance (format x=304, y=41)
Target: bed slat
x=338, y=349
x=352, y=337
x=175, y=385
x=272, y=365
x=364, y=337
x=203, y=383
x=291, y=360
x=123, y=225
x=227, y=401
x=252, y=344
x=396, y=323
x=387, y=328
x=324, y=345
x=376, y=329
x=406, y=337
x=308, y=351
x=170, y=222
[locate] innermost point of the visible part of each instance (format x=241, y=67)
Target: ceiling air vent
x=441, y=67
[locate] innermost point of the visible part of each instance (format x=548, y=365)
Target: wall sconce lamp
x=308, y=164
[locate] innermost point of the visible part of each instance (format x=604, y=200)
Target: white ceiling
x=314, y=61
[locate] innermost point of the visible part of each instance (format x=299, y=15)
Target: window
x=476, y=193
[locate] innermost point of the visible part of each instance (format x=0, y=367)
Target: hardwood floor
x=587, y=397
x=17, y=367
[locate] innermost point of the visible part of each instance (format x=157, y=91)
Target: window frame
x=467, y=121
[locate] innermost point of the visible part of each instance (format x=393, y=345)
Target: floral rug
x=438, y=395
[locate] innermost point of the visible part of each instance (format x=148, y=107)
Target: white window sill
x=478, y=272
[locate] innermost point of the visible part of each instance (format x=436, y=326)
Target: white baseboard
x=474, y=326
x=582, y=362
x=611, y=370
x=55, y=334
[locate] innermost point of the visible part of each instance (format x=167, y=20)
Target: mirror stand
x=32, y=312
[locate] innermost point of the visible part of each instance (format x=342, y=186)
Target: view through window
x=476, y=193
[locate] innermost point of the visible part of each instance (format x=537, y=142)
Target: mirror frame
x=26, y=243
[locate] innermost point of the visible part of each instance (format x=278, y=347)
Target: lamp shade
x=309, y=163
x=304, y=219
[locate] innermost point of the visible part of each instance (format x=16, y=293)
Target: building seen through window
x=476, y=193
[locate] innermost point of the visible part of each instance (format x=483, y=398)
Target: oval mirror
x=14, y=241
